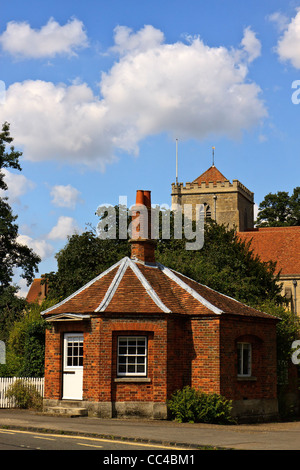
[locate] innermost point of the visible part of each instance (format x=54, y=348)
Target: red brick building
x=124, y=342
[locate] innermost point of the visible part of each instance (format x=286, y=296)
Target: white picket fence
x=6, y=382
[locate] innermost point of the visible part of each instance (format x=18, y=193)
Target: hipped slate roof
x=130, y=286
x=280, y=244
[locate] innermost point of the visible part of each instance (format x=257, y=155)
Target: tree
x=225, y=263
x=11, y=308
x=12, y=254
x=280, y=209
x=26, y=343
x=84, y=257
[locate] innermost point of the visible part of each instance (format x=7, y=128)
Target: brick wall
x=182, y=350
x=262, y=336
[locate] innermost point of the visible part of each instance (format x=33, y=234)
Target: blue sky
x=96, y=93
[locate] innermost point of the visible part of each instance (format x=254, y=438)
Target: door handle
x=69, y=372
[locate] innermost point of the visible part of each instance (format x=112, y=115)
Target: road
x=31, y=440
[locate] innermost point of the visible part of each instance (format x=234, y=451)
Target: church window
x=208, y=212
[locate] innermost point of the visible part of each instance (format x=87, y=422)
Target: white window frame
x=242, y=349
x=72, y=341
x=131, y=356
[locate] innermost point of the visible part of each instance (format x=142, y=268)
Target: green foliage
x=288, y=328
x=12, y=254
x=34, y=350
x=84, y=257
x=194, y=406
x=11, y=308
x=280, y=209
x=26, y=343
x=225, y=263
x=26, y=395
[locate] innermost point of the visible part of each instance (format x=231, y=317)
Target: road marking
x=89, y=445
x=6, y=432
x=46, y=438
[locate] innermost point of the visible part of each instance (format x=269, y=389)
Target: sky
x=97, y=92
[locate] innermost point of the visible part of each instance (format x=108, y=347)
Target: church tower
x=225, y=202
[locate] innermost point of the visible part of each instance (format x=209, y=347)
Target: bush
x=193, y=406
x=26, y=395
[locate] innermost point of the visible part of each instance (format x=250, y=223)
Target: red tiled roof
x=210, y=175
x=36, y=291
x=280, y=244
x=133, y=287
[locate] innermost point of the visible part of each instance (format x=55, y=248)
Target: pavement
x=266, y=436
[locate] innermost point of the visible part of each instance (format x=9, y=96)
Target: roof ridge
x=173, y=275
x=113, y=285
x=88, y=284
x=226, y=296
x=151, y=292
x=127, y=262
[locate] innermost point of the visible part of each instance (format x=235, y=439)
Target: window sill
x=246, y=379
x=132, y=379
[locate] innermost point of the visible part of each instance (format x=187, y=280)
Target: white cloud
x=186, y=89
x=40, y=247
x=65, y=196
x=251, y=44
x=17, y=184
x=288, y=46
x=280, y=20
x=20, y=40
x=66, y=226
x=145, y=39
x=58, y=122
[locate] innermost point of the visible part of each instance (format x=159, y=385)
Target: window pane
x=132, y=353
x=244, y=359
x=74, y=351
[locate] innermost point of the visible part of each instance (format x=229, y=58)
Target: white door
x=73, y=366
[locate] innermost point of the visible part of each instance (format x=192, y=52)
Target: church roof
x=131, y=286
x=211, y=175
x=280, y=244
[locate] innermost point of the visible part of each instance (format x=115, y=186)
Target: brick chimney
x=142, y=246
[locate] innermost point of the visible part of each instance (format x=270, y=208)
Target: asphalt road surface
x=31, y=440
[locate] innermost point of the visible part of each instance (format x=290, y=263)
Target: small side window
x=244, y=358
